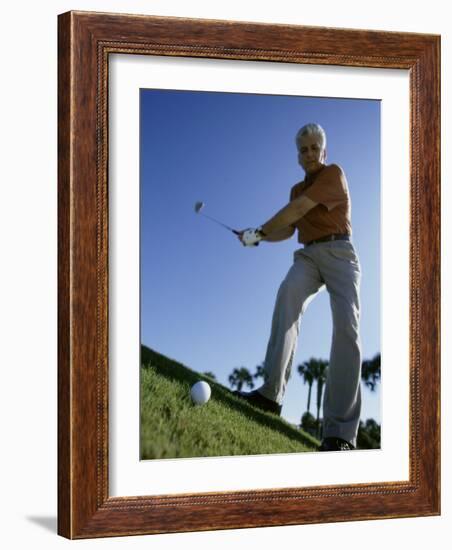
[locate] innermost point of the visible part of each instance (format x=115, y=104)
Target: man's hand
x=250, y=236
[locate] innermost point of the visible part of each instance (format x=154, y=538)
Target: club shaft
x=220, y=223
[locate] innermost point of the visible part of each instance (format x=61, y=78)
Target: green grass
x=173, y=427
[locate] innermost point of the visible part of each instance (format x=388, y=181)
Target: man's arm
x=288, y=215
x=280, y=235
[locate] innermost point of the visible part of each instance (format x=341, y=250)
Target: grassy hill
x=173, y=427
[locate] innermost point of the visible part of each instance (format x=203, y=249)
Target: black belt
x=333, y=237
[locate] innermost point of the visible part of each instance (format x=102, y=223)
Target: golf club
x=200, y=205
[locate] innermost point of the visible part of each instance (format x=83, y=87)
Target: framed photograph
x=175, y=136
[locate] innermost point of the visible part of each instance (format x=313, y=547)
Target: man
x=320, y=210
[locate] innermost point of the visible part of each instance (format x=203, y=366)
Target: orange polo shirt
x=329, y=189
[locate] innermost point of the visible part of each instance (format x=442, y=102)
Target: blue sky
x=206, y=300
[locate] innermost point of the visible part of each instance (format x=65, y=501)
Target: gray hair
x=311, y=129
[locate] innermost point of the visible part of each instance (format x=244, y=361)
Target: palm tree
x=260, y=372
x=239, y=377
x=320, y=373
x=306, y=371
x=371, y=372
x=314, y=370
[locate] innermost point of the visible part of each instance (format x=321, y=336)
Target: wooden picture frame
x=85, y=42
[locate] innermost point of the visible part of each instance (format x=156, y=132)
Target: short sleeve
x=329, y=188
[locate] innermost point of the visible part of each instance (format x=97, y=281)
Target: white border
x=128, y=475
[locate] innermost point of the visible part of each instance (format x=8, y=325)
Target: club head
x=198, y=207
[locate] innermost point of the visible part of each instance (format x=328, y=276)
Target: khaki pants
x=335, y=265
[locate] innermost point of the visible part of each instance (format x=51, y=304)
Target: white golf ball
x=200, y=392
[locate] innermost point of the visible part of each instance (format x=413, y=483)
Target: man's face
x=311, y=156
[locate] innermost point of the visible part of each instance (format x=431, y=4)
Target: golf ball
x=200, y=393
